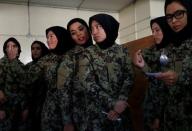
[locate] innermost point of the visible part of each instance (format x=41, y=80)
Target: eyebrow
x=176, y=11
x=78, y=27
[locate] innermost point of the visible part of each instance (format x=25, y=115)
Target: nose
x=174, y=19
x=154, y=33
x=10, y=48
x=94, y=31
x=78, y=33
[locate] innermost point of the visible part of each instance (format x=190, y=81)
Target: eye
x=100, y=26
x=73, y=33
x=81, y=28
x=179, y=13
x=14, y=46
x=169, y=17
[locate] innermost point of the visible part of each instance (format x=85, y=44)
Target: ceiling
x=99, y=5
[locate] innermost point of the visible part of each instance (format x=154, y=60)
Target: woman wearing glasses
x=178, y=114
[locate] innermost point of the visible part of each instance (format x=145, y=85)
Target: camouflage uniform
x=10, y=83
x=178, y=114
x=45, y=69
x=156, y=95
x=173, y=103
x=36, y=96
x=89, y=83
x=52, y=112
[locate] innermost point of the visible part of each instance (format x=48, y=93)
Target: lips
x=176, y=27
x=81, y=38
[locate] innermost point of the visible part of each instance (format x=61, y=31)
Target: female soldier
x=178, y=115
x=37, y=90
x=12, y=91
x=156, y=95
x=82, y=39
x=113, y=68
x=177, y=76
x=59, y=42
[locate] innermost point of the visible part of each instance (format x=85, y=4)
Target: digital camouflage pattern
x=12, y=73
x=36, y=94
x=90, y=82
x=155, y=98
x=176, y=114
x=45, y=69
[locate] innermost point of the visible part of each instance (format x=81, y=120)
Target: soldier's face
x=12, y=48
x=36, y=51
x=176, y=15
x=51, y=40
x=79, y=33
x=157, y=33
x=98, y=32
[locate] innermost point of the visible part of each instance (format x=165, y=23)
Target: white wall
x=135, y=19
x=157, y=8
x=15, y=23
x=127, y=26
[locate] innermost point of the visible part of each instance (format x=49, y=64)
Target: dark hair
x=12, y=39
x=167, y=2
x=64, y=40
x=89, y=42
x=44, y=49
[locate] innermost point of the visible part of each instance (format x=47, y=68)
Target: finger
x=112, y=115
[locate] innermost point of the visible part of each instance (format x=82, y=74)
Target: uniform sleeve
x=3, y=66
x=127, y=77
x=150, y=56
x=2, y=77
x=185, y=76
x=185, y=73
x=34, y=72
x=15, y=77
x=65, y=89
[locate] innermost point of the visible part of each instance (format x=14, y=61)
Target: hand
x=2, y=115
x=155, y=125
x=2, y=97
x=24, y=114
x=138, y=59
x=69, y=127
x=169, y=77
x=120, y=106
x=113, y=115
